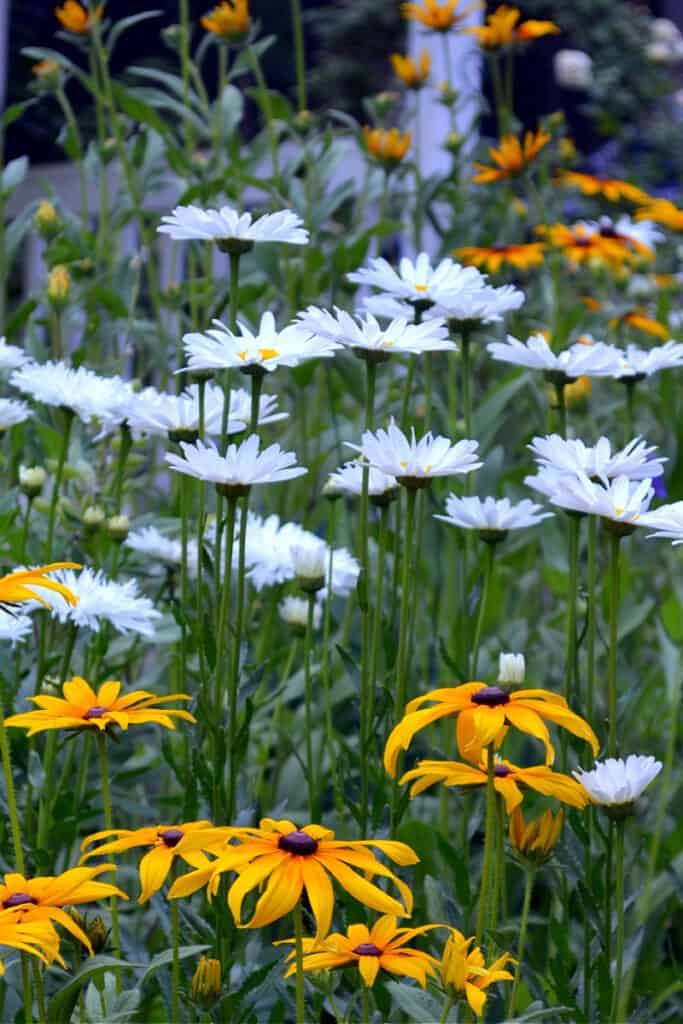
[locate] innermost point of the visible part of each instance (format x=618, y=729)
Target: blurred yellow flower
x=228, y=20
x=639, y=319
x=207, y=982
x=612, y=189
x=503, y=27
x=17, y=587
x=58, y=285
x=534, y=842
x=661, y=211
x=78, y=19
x=387, y=147
x=440, y=17
x=464, y=972
x=512, y=156
x=412, y=73
x=492, y=258
x=581, y=246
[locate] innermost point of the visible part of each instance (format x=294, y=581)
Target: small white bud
x=294, y=611
x=32, y=480
x=309, y=560
x=573, y=69
x=511, y=668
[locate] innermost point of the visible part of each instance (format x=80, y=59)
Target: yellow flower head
x=77, y=19
x=583, y=247
x=387, y=147
x=82, y=708
x=382, y=947
x=612, y=189
x=512, y=156
x=534, y=842
x=18, y=586
x=228, y=20
x=575, y=392
x=58, y=285
x=661, y=211
x=508, y=779
x=294, y=859
x=43, y=899
x=163, y=840
x=207, y=982
x=464, y=972
x=438, y=16
x=638, y=319
x=412, y=73
x=38, y=938
x=503, y=28
x=483, y=715
x=492, y=258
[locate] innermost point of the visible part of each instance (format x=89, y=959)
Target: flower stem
x=223, y=613
x=403, y=631
x=630, y=407
x=619, y=966
x=613, y=640
x=466, y=357
x=489, y=840
x=483, y=602
x=234, y=289
x=264, y=97
x=299, y=55
x=236, y=652
x=530, y=875
x=299, y=955
x=609, y=854
x=40, y=991
x=367, y=682
x=365, y=1017
x=109, y=823
x=57, y=483
x=175, y=941
x=448, y=1002
x=570, y=622
x=561, y=409
x=11, y=797
x=313, y=796
x=24, y=531
x=379, y=602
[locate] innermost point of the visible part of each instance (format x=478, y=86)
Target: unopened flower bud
x=310, y=564
x=294, y=611
x=93, y=517
x=32, y=480
x=303, y=122
x=172, y=35
x=58, y=286
x=384, y=103
x=108, y=150
x=511, y=669
x=98, y=933
x=331, y=491
x=454, y=141
x=207, y=982
x=447, y=94
x=46, y=220
x=47, y=74
x=118, y=527
x=51, y=687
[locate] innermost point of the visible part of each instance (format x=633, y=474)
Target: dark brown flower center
x=171, y=836
x=18, y=899
x=367, y=949
x=95, y=712
x=490, y=696
x=299, y=843
x=501, y=771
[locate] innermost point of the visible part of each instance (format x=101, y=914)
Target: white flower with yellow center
x=636, y=460
x=415, y=463
x=80, y=390
x=188, y=223
x=666, y=521
x=481, y=305
x=249, y=351
x=640, y=362
x=349, y=479
x=598, y=360
x=491, y=514
x=622, y=501
x=11, y=357
x=240, y=409
x=152, y=412
x=240, y=468
x=13, y=412
x=364, y=335
x=419, y=281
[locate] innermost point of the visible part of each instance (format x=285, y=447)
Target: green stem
x=619, y=966
x=591, y=623
x=448, y=1002
x=236, y=652
x=418, y=174
x=184, y=12
x=483, y=602
x=72, y=123
x=223, y=614
x=407, y=392
x=489, y=841
x=366, y=682
x=299, y=55
x=175, y=940
x=499, y=879
x=365, y=1002
x=402, y=658
x=313, y=796
x=234, y=294
x=40, y=991
x=325, y=653
x=222, y=73
x=264, y=97
x=274, y=722
x=466, y=357
x=26, y=987
x=530, y=875
x=125, y=445
x=630, y=407
x=24, y=532
x=613, y=640
x=57, y=483
x=11, y=797
x=570, y=680
x=256, y=387
x=379, y=603
x=561, y=409
x=608, y=892
x=109, y=823
x=299, y=956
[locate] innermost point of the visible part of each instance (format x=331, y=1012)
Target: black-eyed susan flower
x=640, y=321
x=503, y=28
x=78, y=19
x=229, y=20
x=661, y=211
x=509, y=780
x=382, y=947
x=297, y=859
x=438, y=16
x=207, y=982
x=387, y=146
x=483, y=714
x=580, y=245
x=535, y=841
x=18, y=587
x=43, y=898
x=464, y=972
x=512, y=156
x=413, y=73
x=163, y=840
x=523, y=256
x=82, y=708
x=38, y=938
x=612, y=189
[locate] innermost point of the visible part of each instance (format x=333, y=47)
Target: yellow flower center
x=421, y=287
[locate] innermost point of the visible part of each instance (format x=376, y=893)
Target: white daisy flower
x=640, y=362
x=268, y=549
x=240, y=468
x=240, y=409
x=309, y=560
x=153, y=412
x=598, y=360
x=419, y=281
x=345, y=573
x=666, y=521
x=636, y=460
x=104, y=600
x=294, y=611
x=547, y=481
x=11, y=357
x=13, y=412
x=622, y=501
x=491, y=514
x=365, y=337
x=266, y=349
x=14, y=628
x=85, y=393
x=387, y=308
x=483, y=305
x=511, y=669
x=150, y=542
x=349, y=479
x=227, y=225
x=414, y=463
x=616, y=782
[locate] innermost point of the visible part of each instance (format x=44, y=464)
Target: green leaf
x=63, y=1002
x=14, y=112
x=163, y=959
x=122, y=26
x=419, y=1005
x=138, y=110
x=13, y=174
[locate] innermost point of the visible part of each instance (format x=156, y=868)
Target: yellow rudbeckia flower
x=464, y=972
x=18, y=586
x=612, y=189
x=37, y=937
x=438, y=16
x=78, y=19
x=387, y=147
x=523, y=256
x=534, y=842
x=228, y=20
x=413, y=73
x=297, y=859
x=503, y=28
x=484, y=714
x=82, y=708
x=638, y=319
x=661, y=211
x=511, y=157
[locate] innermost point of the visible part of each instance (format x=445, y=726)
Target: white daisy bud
x=511, y=669
x=309, y=558
x=118, y=527
x=616, y=784
x=32, y=480
x=294, y=611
